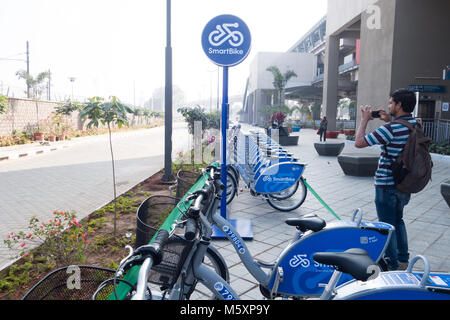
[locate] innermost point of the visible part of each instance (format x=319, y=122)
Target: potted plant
x=37, y=86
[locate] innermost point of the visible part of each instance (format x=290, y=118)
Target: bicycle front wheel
x=214, y=261
x=289, y=199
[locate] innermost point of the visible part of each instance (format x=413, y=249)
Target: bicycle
x=179, y=274
x=287, y=276
x=371, y=284
x=270, y=172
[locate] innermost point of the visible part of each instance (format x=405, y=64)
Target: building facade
x=401, y=44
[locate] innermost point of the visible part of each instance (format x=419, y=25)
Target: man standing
x=323, y=129
x=392, y=137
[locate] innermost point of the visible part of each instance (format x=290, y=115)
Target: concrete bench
x=288, y=140
x=329, y=149
x=445, y=191
x=358, y=164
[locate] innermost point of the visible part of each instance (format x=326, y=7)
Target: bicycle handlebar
x=191, y=229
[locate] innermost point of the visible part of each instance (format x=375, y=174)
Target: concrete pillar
x=330, y=83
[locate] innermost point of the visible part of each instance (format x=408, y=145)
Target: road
x=79, y=177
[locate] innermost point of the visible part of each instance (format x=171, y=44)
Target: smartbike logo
x=278, y=179
x=226, y=40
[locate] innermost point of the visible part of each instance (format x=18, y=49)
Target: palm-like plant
x=36, y=85
x=110, y=112
x=280, y=80
x=4, y=105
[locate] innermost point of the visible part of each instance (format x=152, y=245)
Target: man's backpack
x=412, y=169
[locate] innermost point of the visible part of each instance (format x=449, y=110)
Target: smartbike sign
x=226, y=40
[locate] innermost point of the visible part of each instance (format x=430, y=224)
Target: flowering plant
x=63, y=239
x=211, y=139
x=278, y=117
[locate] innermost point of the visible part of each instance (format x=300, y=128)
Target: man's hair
x=406, y=97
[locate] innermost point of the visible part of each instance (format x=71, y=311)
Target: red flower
x=23, y=244
x=29, y=236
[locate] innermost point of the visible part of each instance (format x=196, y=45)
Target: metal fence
x=438, y=130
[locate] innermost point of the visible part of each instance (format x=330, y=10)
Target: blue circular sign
x=226, y=40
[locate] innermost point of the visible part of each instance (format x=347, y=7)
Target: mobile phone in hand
x=376, y=114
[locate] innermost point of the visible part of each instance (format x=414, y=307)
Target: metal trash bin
x=185, y=181
x=150, y=215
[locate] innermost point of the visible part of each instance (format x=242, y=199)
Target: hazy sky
x=117, y=47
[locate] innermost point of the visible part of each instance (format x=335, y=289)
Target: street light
x=72, y=79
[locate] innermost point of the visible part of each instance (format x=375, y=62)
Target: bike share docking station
x=226, y=42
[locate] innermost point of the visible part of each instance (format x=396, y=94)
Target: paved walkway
x=77, y=176
x=427, y=216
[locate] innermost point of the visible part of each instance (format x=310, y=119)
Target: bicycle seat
x=355, y=262
x=307, y=222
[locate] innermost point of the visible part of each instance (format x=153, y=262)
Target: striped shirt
x=392, y=137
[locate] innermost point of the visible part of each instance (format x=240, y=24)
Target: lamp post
x=168, y=177
x=72, y=80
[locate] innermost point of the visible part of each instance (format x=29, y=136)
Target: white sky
x=117, y=47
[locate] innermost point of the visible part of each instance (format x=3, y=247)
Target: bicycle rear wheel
x=231, y=187
x=283, y=202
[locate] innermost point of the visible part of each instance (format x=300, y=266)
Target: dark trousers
x=323, y=132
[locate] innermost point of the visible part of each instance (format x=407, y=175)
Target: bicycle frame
x=293, y=274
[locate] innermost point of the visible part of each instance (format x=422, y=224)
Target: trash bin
x=150, y=215
x=185, y=181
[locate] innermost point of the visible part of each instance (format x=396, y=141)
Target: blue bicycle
x=371, y=284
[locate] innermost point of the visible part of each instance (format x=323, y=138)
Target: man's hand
x=366, y=116
x=386, y=117
x=366, y=113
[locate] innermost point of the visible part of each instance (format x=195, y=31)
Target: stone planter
x=38, y=136
x=332, y=134
x=349, y=132
x=359, y=164
x=288, y=140
x=445, y=191
x=329, y=149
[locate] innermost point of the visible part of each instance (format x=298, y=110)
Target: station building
x=364, y=50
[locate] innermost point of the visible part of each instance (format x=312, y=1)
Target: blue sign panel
x=226, y=40
x=425, y=88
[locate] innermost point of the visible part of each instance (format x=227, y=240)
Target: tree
x=110, y=112
x=4, y=106
x=197, y=113
x=280, y=80
x=36, y=85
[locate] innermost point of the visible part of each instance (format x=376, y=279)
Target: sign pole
x=226, y=41
x=224, y=125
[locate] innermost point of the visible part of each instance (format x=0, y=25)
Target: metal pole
x=168, y=103
x=224, y=125
x=49, y=84
x=28, y=69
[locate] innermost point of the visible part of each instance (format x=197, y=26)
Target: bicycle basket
x=72, y=283
x=185, y=181
x=174, y=255
x=150, y=215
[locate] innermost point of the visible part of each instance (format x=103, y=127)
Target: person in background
x=323, y=129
